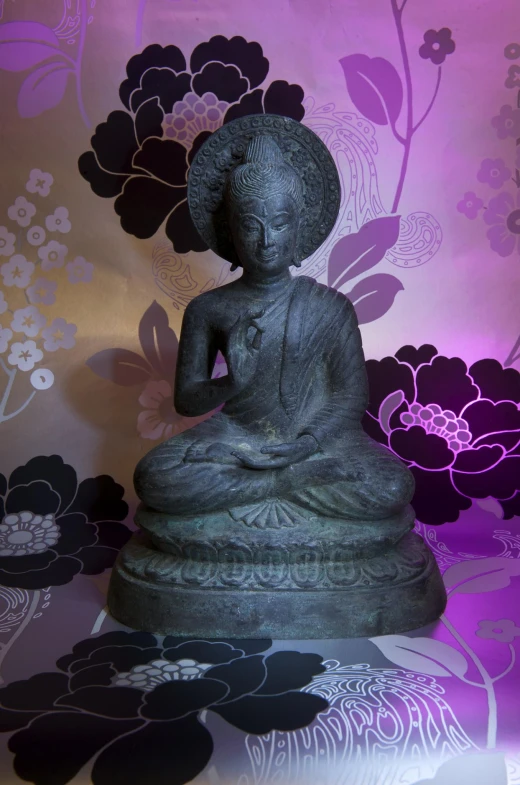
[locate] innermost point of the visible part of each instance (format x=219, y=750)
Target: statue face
x=264, y=233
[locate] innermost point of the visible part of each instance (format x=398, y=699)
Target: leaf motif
x=120, y=366
x=359, y=251
x=491, y=505
x=425, y=655
x=158, y=341
x=477, y=576
x=374, y=296
x=374, y=87
x=43, y=89
x=388, y=407
x=25, y=44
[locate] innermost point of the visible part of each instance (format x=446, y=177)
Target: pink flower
x=438, y=44
x=52, y=255
x=494, y=172
x=503, y=215
x=42, y=291
x=512, y=51
x=470, y=205
x=28, y=320
x=17, y=271
x=80, y=270
x=39, y=182
x=59, y=335
x=59, y=221
x=503, y=630
x=507, y=123
x=7, y=240
x=159, y=418
x=21, y=211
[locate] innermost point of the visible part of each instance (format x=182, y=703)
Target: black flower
x=51, y=528
x=142, y=155
x=438, y=44
x=133, y=705
x=458, y=429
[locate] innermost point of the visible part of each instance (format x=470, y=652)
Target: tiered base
x=215, y=577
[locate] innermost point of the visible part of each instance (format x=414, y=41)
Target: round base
x=311, y=592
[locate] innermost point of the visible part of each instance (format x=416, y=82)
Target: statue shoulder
x=331, y=298
x=205, y=302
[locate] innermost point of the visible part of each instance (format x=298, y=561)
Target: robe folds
x=310, y=379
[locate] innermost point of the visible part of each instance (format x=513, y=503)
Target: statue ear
x=297, y=263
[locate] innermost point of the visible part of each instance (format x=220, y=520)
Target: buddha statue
x=244, y=512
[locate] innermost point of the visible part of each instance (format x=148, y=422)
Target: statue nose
x=267, y=237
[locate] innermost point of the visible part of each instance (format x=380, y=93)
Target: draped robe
x=310, y=379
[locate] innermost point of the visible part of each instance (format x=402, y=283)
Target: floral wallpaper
x=105, y=104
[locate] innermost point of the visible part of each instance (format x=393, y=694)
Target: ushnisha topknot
x=263, y=172
x=259, y=155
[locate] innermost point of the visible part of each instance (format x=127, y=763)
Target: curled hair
x=263, y=173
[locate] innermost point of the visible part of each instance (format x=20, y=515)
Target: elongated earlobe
x=297, y=263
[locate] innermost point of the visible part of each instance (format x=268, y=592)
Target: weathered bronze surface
x=277, y=516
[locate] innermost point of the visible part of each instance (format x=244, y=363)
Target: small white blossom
x=25, y=355
x=7, y=241
x=59, y=221
x=17, y=271
x=36, y=235
x=21, y=211
x=39, y=182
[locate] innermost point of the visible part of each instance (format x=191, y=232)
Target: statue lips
x=267, y=256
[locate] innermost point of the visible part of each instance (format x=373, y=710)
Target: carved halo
x=301, y=148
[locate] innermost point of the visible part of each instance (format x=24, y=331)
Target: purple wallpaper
x=104, y=106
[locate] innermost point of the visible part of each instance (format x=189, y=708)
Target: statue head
x=264, y=201
x=263, y=192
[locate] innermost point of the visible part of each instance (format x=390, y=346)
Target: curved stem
x=21, y=628
x=511, y=358
x=434, y=96
x=397, y=12
x=397, y=135
x=404, y=166
x=79, y=57
x=487, y=684
x=139, y=23
x=509, y=667
x=5, y=397
x=4, y=418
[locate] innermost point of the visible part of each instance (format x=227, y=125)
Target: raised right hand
x=243, y=349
